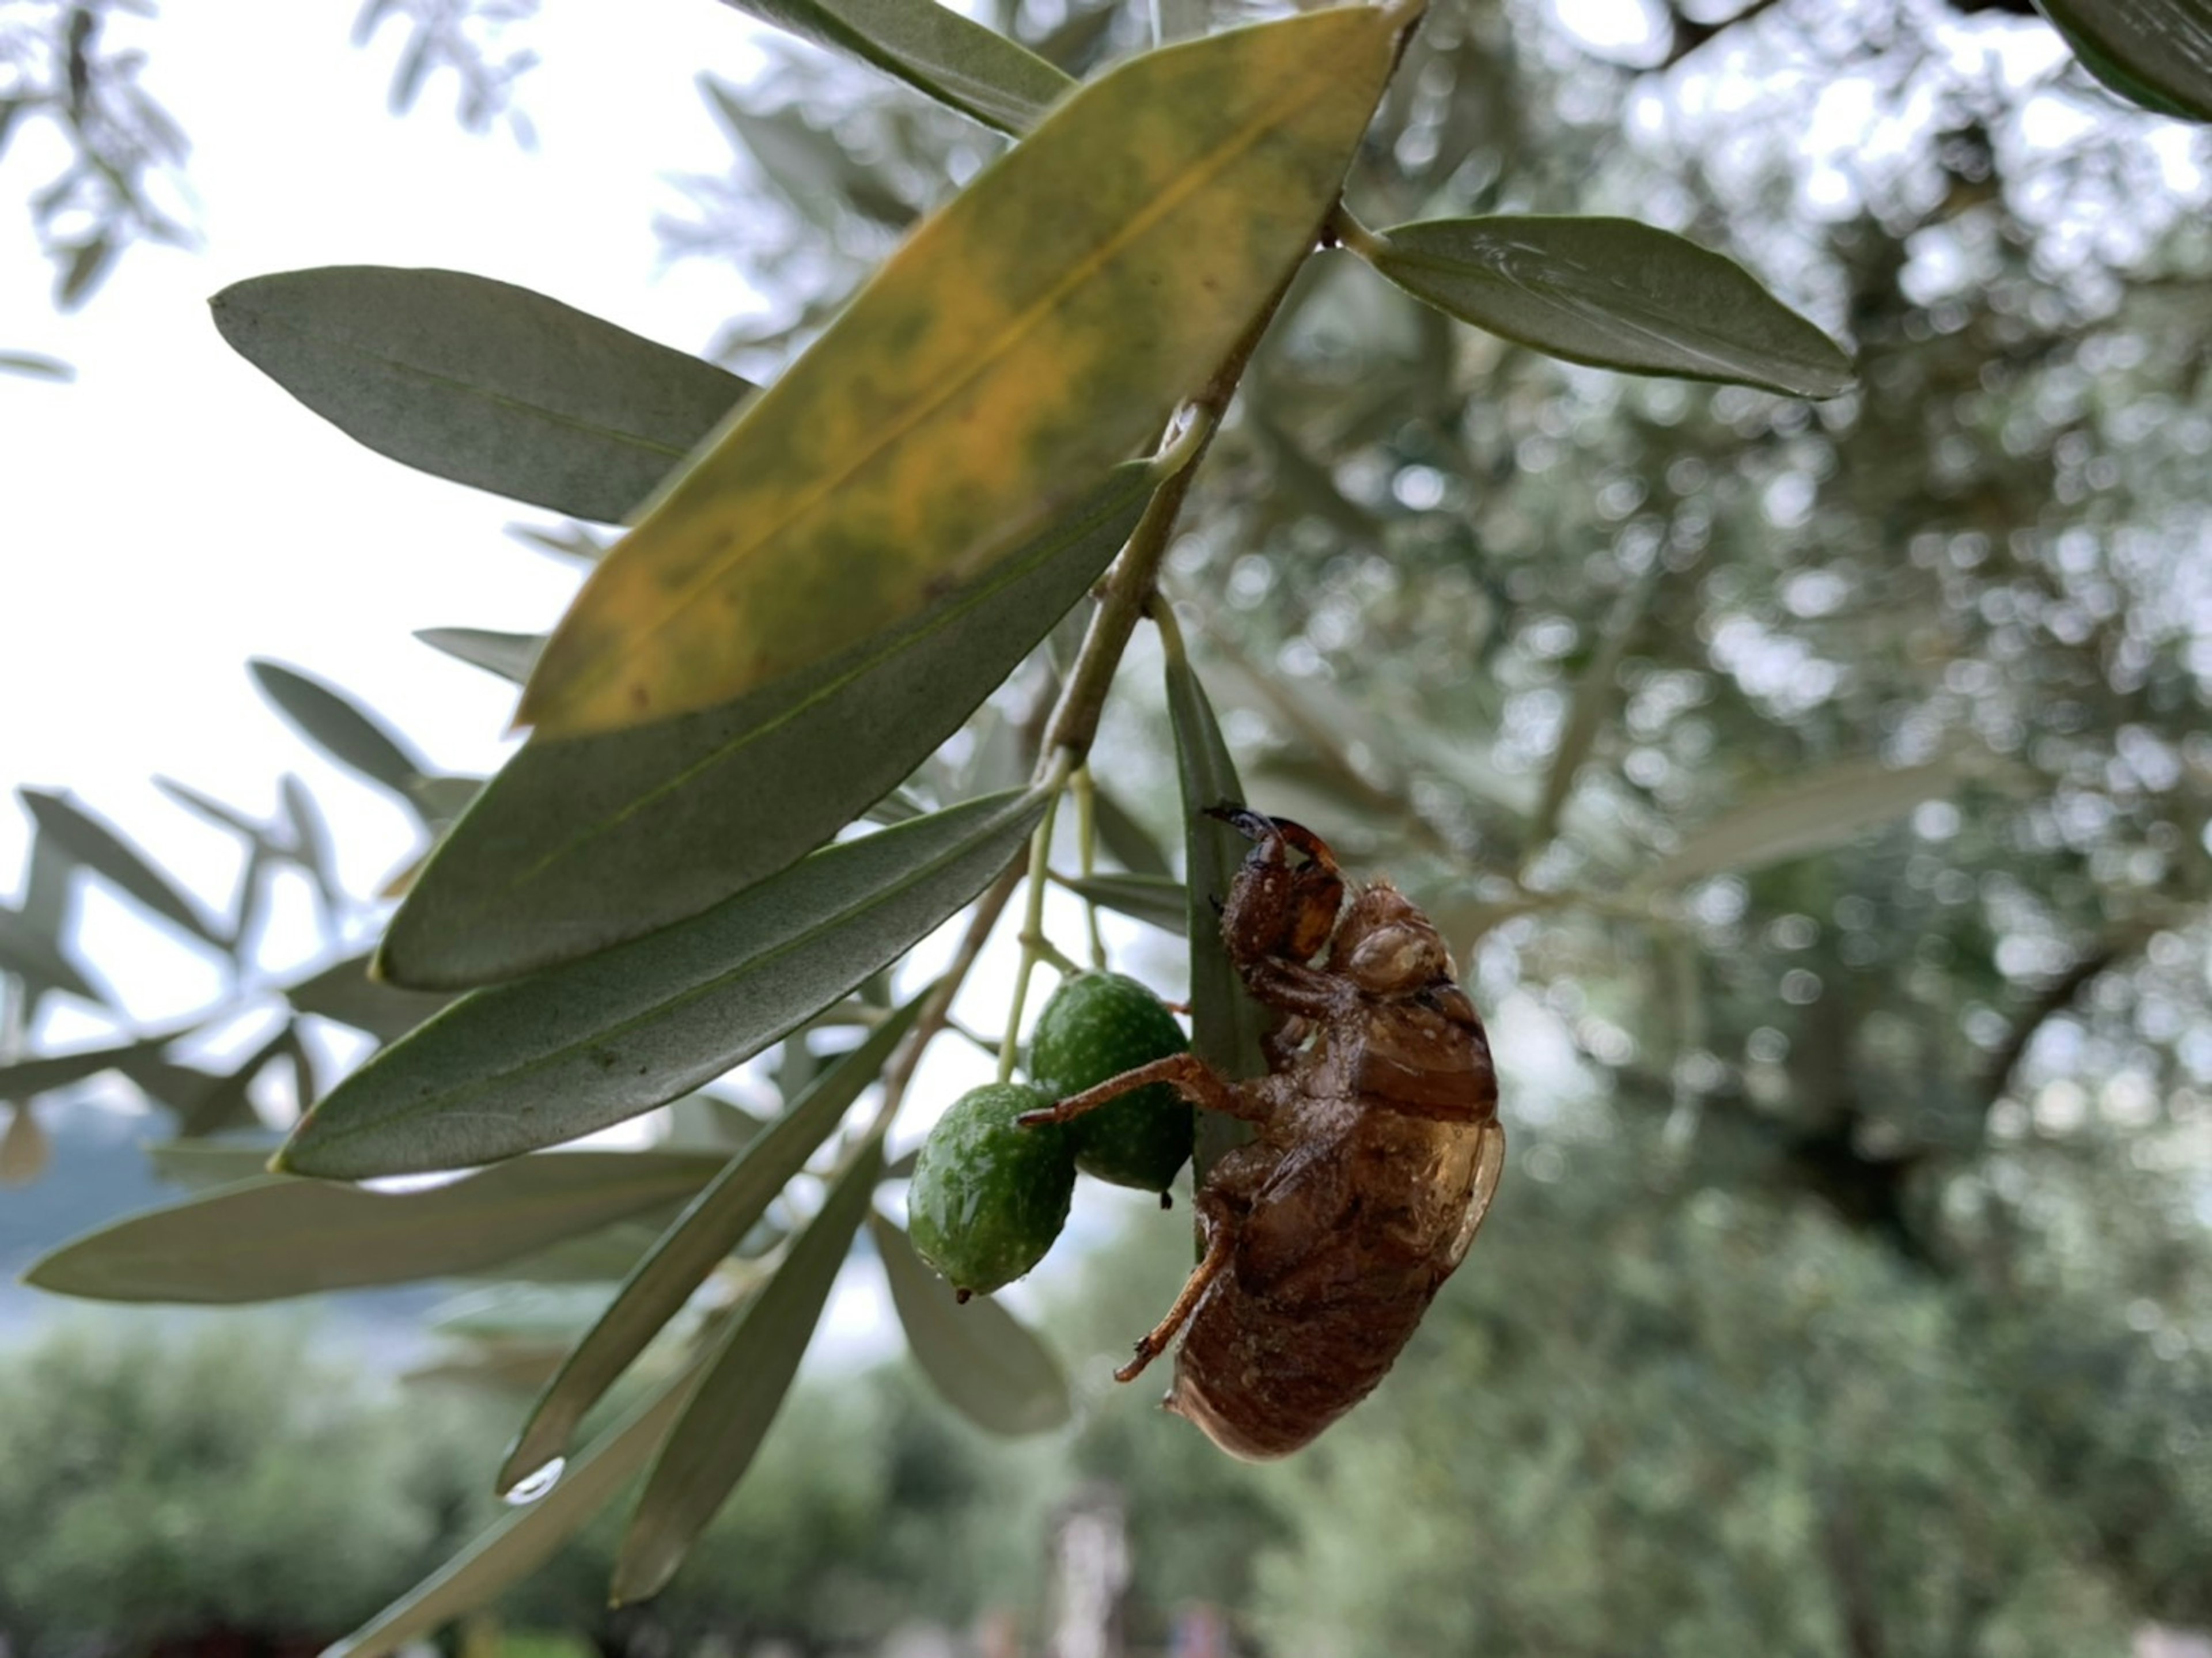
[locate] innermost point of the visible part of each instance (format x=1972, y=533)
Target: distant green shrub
x=161, y=1485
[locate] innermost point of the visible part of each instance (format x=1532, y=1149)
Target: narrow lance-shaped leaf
x=1126, y=839
x=344, y=991
x=38, y=960
x=227, y=1102
x=810, y=169
x=2157, y=53
x=481, y=381
x=342, y=731
x=572, y=1049
x=311, y=846
x=40, y=1073
x=933, y=49
x=215, y=811
x=1809, y=815
x=442, y=799
x=207, y=1165
x=714, y=1224
x=710, y=1448
x=1162, y=901
x=1031, y=333
x=982, y=1358
x=1614, y=293
x=583, y=843
x=1225, y=1023
x=274, y=1237
x=94, y=846
x=523, y=1538
x=1596, y=695
x=507, y=655
x=601, y=1259
x=33, y=365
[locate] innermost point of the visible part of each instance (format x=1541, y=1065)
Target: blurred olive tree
x=1815, y=791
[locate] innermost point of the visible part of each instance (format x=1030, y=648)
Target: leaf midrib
x=402, y=366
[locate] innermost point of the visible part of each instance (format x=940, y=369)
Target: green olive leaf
x=1126, y=840
x=525, y=1538
x=1226, y=1023
x=933, y=49
x=1614, y=293
x=716, y=1222
x=342, y=731
x=507, y=655
x=581, y=843
x=1810, y=814
x=709, y=1449
x=344, y=991
x=1030, y=334
x=979, y=1357
x=545, y=1059
x=274, y=1236
x=91, y=844
x=39, y=960
x=1159, y=899
x=2156, y=53
x=480, y=381
x=25, y=1079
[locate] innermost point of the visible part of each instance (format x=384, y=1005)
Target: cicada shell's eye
x=1316, y=896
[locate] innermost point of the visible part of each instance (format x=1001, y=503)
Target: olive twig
x=1051, y=953
x=974, y=1038
x=1055, y=780
x=1087, y=842
x=1346, y=232
x=1126, y=594
x=1134, y=576
x=937, y=1012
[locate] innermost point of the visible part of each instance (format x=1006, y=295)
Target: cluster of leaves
x=124, y=180
x=630, y=909
x=465, y=38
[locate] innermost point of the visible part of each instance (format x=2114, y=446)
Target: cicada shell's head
x=1387, y=947
x=1284, y=900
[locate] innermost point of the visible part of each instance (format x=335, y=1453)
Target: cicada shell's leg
x=1281, y=1046
x=1190, y=1076
x=1220, y=1226
x=1302, y=992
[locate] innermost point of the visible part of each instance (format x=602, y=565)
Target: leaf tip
x=635, y=1582
x=525, y=1456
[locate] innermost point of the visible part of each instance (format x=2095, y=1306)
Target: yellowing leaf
x=1028, y=336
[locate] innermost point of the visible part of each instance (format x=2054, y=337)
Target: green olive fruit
x=988, y=1196
x=1098, y=1025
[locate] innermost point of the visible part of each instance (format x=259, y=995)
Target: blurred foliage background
x=1817, y=797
